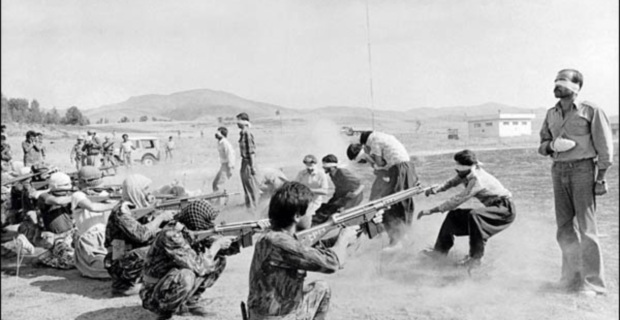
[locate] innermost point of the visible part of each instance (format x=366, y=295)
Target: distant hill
x=198, y=104
x=205, y=105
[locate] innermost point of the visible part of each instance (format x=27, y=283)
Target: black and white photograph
x=310, y=160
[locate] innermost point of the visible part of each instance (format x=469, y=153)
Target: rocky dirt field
x=519, y=265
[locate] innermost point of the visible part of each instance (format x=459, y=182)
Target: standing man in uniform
x=92, y=148
x=108, y=152
x=227, y=160
x=77, y=154
x=577, y=136
x=39, y=141
x=393, y=173
x=247, y=150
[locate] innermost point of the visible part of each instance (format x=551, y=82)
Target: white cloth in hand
x=562, y=144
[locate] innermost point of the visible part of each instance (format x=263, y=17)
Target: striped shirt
x=246, y=144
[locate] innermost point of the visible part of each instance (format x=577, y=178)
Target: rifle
x=27, y=176
x=243, y=231
x=73, y=175
x=361, y=215
x=178, y=204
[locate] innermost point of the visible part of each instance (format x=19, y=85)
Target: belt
x=574, y=161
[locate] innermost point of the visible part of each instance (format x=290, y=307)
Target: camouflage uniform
x=277, y=274
x=175, y=274
x=131, y=240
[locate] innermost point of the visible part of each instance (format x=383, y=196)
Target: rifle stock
x=26, y=177
x=361, y=215
x=178, y=204
x=243, y=231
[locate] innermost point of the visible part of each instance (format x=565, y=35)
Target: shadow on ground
x=128, y=312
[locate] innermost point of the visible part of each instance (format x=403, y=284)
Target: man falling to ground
x=393, y=173
x=348, y=191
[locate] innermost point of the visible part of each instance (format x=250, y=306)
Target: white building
x=500, y=125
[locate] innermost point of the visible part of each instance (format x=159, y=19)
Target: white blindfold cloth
x=568, y=85
x=330, y=164
x=461, y=167
x=244, y=122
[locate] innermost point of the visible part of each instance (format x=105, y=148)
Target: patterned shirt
x=344, y=182
x=315, y=180
x=246, y=144
x=479, y=183
x=123, y=226
x=587, y=125
x=278, y=270
x=225, y=149
x=387, y=147
x=77, y=153
x=171, y=250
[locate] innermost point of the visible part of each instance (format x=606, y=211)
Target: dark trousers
x=249, y=184
x=479, y=224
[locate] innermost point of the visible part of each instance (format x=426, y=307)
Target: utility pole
x=372, y=112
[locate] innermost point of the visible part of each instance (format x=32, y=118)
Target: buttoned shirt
x=586, y=125
x=278, y=271
x=479, y=184
x=246, y=144
x=315, y=180
x=226, y=151
x=387, y=147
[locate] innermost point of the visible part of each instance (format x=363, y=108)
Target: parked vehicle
x=147, y=150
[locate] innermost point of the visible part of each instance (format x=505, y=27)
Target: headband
x=330, y=165
x=568, y=85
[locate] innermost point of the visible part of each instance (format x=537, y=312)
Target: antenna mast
x=372, y=112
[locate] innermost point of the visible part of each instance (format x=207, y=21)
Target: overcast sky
x=311, y=53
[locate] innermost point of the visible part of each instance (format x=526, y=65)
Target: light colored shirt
x=226, y=151
x=315, y=180
x=126, y=146
x=170, y=145
x=84, y=219
x=586, y=125
x=387, y=147
x=479, y=184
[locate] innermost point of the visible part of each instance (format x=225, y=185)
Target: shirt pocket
x=578, y=126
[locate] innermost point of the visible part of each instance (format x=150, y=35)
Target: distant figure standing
x=108, y=152
x=202, y=134
x=126, y=148
x=32, y=153
x=577, y=136
x=39, y=141
x=92, y=147
x=247, y=150
x=179, y=133
x=77, y=155
x=169, y=148
x=227, y=159
x=7, y=155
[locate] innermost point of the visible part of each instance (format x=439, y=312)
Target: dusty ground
x=519, y=264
